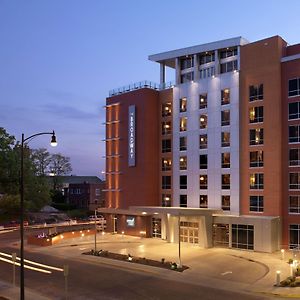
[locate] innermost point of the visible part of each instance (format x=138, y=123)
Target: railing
x=140, y=85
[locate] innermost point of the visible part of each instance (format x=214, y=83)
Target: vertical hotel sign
x=131, y=136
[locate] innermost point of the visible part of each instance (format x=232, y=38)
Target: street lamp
x=53, y=144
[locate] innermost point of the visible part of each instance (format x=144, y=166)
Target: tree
x=41, y=158
x=60, y=165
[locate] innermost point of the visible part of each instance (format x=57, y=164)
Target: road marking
x=82, y=249
x=226, y=273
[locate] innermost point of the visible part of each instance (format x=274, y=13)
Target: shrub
x=291, y=261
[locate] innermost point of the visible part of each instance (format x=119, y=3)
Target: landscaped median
x=138, y=260
x=55, y=238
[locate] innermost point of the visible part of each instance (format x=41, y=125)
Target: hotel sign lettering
x=131, y=136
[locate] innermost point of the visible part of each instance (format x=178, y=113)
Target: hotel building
x=212, y=159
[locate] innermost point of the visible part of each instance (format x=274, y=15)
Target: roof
x=78, y=179
x=168, y=57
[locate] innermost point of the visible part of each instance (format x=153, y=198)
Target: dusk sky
x=59, y=59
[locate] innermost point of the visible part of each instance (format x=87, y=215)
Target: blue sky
x=59, y=59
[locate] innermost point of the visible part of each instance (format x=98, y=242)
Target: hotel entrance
x=221, y=235
x=156, y=227
x=189, y=232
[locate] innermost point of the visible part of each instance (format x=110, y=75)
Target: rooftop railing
x=140, y=85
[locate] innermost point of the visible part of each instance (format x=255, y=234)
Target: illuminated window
x=256, y=136
x=203, y=182
x=256, y=181
x=256, y=114
x=203, y=141
x=183, y=162
x=202, y=101
x=182, y=105
x=166, y=128
x=203, y=201
x=166, y=109
x=183, y=124
x=225, y=181
x=166, y=200
x=226, y=202
x=203, y=121
x=225, y=139
x=225, y=160
x=225, y=96
x=166, y=164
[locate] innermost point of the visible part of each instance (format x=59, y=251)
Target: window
x=166, y=128
x=226, y=202
x=187, y=77
x=182, y=104
x=225, y=96
x=294, y=87
x=97, y=192
x=166, y=110
x=225, y=160
x=166, y=200
x=225, y=181
x=256, y=181
x=203, y=141
x=228, y=66
x=294, y=236
x=166, y=146
x=166, y=164
x=294, y=157
x=294, y=181
x=182, y=143
x=183, y=162
x=256, y=159
x=186, y=62
x=243, y=236
x=294, y=110
x=256, y=136
x=183, y=182
x=166, y=182
x=203, y=182
x=183, y=200
x=203, y=161
x=228, y=52
x=256, y=92
x=203, y=202
x=256, y=203
x=256, y=114
x=207, y=72
x=225, y=117
x=202, y=101
x=183, y=124
x=203, y=121
x=294, y=206
x=294, y=134
x=207, y=57
x=225, y=139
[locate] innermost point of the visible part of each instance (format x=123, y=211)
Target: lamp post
x=53, y=143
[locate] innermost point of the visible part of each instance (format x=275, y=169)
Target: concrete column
x=217, y=63
x=206, y=231
x=239, y=57
x=196, y=68
x=177, y=71
x=162, y=74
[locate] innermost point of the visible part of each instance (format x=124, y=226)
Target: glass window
x=202, y=101
x=166, y=146
x=183, y=200
x=166, y=164
x=256, y=181
x=203, y=121
x=225, y=181
x=257, y=203
x=256, y=92
x=294, y=157
x=183, y=162
x=294, y=87
x=294, y=134
x=182, y=104
x=166, y=182
x=203, y=202
x=166, y=200
x=294, y=206
x=207, y=57
x=226, y=202
x=294, y=183
x=203, y=161
x=256, y=114
x=183, y=182
x=225, y=117
x=182, y=143
x=203, y=182
x=187, y=77
x=186, y=62
x=166, y=128
x=225, y=96
x=294, y=230
x=228, y=66
x=225, y=160
x=207, y=72
x=228, y=52
x=256, y=136
x=225, y=139
x=294, y=110
x=203, y=141
x=256, y=159
x=243, y=236
x=183, y=124
x=166, y=109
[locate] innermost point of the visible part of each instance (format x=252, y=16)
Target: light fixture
x=53, y=142
x=144, y=213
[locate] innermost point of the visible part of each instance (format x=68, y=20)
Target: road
x=88, y=280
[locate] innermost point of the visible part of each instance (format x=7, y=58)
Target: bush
x=291, y=261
